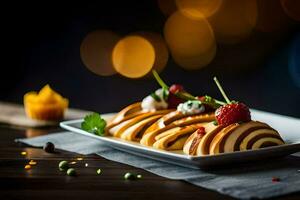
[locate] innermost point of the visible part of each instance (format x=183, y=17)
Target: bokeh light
x=291, y=8
x=271, y=16
x=167, y=7
x=191, y=42
x=234, y=20
x=96, y=50
x=198, y=8
x=160, y=47
x=133, y=56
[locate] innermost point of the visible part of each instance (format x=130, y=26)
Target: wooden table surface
x=45, y=181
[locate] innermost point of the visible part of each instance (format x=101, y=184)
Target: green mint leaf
x=93, y=123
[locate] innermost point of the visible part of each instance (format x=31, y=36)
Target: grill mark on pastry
x=177, y=138
x=151, y=135
x=139, y=118
x=211, y=136
x=222, y=143
x=257, y=137
x=131, y=109
x=199, y=119
x=173, y=117
x=165, y=120
x=247, y=132
x=142, y=131
x=113, y=124
x=194, y=119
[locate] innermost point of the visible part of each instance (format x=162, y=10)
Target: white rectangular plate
x=288, y=127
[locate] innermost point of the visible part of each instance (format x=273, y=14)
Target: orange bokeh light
x=191, y=42
x=198, y=8
x=160, y=47
x=133, y=56
x=234, y=20
x=96, y=50
x=291, y=8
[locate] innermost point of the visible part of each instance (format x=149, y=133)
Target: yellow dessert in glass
x=45, y=105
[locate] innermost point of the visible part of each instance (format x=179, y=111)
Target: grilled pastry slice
x=118, y=129
x=126, y=113
x=257, y=134
x=191, y=145
x=136, y=131
x=174, y=139
x=235, y=137
x=165, y=120
x=149, y=138
x=260, y=138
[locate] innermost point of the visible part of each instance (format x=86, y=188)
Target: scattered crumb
x=32, y=162
x=27, y=167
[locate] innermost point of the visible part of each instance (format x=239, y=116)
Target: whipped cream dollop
x=149, y=103
x=191, y=107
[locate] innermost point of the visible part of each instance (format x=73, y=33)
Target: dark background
x=41, y=43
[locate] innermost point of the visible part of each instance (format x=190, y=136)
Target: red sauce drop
x=201, y=131
x=275, y=179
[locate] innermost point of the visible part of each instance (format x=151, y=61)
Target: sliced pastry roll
x=150, y=138
x=125, y=114
x=136, y=131
x=249, y=135
x=192, y=143
x=234, y=137
x=119, y=128
x=174, y=138
x=165, y=120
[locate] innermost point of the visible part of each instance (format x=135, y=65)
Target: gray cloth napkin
x=243, y=181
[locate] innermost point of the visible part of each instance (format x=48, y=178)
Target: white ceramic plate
x=289, y=129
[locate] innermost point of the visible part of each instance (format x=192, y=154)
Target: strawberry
x=176, y=88
x=232, y=113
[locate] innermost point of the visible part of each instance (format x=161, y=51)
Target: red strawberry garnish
x=232, y=113
x=176, y=88
x=173, y=100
